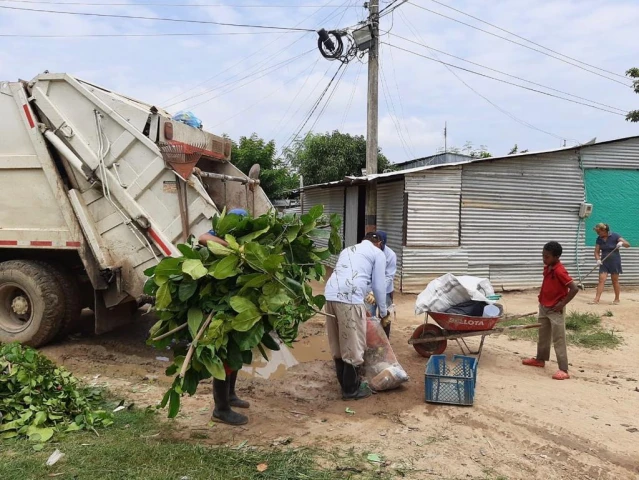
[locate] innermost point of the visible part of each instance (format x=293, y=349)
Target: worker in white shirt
x=359, y=269
x=390, y=271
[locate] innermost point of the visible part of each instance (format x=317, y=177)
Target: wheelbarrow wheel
x=431, y=348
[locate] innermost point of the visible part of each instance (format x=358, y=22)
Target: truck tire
x=71, y=296
x=31, y=303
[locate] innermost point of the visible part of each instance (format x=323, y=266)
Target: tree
x=328, y=157
x=469, y=149
x=633, y=116
x=515, y=150
x=275, y=177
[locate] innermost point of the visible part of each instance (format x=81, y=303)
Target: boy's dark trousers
x=553, y=328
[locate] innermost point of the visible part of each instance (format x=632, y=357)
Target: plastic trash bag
x=189, y=118
x=381, y=368
x=448, y=290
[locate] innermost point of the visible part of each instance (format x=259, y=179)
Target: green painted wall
x=614, y=195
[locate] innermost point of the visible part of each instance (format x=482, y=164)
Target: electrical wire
x=267, y=70
x=526, y=39
x=294, y=136
x=115, y=35
x=503, y=81
x=390, y=106
x=504, y=73
x=264, y=47
x=330, y=97
x=157, y=19
x=520, y=44
x=292, y=102
x=350, y=100
x=262, y=98
x=164, y=4
x=399, y=96
x=488, y=100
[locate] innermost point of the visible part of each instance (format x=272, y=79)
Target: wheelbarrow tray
x=453, y=322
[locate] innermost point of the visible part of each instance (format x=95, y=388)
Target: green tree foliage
x=275, y=177
x=633, y=116
x=326, y=157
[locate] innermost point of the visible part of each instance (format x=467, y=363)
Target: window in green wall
x=614, y=195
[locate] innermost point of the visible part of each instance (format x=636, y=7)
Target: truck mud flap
x=107, y=319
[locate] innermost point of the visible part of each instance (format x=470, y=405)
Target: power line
x=294, y=136
x=330, y=97
x=157, y=19
x=526, y=39
x=262, y=98
x=115, y=35
x=504, y=73
x=502, y=81
x=520, y=44
x=399, y=96
x=390, y=105
x=267, y=70
x=190, y=5
x=264, y=47
x=350, y=100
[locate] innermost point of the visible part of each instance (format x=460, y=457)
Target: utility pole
x=372, y=117
x=445, y=137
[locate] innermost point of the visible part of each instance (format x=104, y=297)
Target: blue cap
x=239, y=211
x=382, y=235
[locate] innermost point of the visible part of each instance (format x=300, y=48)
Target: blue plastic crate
x=452, y=383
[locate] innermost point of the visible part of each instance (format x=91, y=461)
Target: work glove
x=370, y=299
x=620, y=244
x=386, y=321
x=599, y=263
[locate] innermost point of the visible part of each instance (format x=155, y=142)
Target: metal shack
x=491, y=217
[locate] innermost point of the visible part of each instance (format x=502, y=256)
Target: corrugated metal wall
x=390, y=219
x=622, y=154
x=421, y=265
x=511, y=208
x=351, y=214
x=333, y=201
x=433, y=208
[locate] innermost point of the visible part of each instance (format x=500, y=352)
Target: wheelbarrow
x=432, y=339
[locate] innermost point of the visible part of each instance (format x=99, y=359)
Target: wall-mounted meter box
x=585, y=210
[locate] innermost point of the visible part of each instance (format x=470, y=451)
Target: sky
x=241, y=81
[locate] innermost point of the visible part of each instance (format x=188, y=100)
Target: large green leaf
x=319, y=234
x=292, y=232
x=187, y=251
x=272, y=263
x=38, y=434
x=241, y=304
x=217, y=249
x=169, y=266
x=244, y=321
x=194, y=268
x=226, y=224
x=250, y=339
x=253, y=235
x=269, y=342
x=212, y=363
x=163, y=297
x=174, y=403
x=195, y=317
x=226, y=268
x=186, y=289
x=253, y=280
x=316, y=211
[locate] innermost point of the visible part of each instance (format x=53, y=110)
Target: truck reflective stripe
x=27, y=112
x=156, y=238
x=41, y=243
x=8, y=242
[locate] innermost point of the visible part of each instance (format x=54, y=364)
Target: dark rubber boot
x=339, y=370
x=353, y=388
x=387, y=330
x=222, y=411
x=234, y=400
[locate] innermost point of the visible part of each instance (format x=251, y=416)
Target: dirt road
x=523, y=424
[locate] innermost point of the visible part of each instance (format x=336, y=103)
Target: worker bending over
x=390, y=271
x=359, y=269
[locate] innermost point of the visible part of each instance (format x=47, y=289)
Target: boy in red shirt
x=557, y=290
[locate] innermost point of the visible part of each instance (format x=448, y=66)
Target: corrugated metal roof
x=527, y=156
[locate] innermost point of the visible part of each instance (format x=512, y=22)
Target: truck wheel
x=31, y=303
x=71, y=296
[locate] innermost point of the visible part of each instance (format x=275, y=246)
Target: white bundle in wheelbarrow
x=381, y=367
x=448, y=291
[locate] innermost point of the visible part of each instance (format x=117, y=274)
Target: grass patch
x=583, y=329
x=140, y=446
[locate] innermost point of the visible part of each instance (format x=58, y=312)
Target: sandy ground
x=523, y=425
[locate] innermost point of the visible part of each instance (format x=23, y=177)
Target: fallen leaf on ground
x=349, y=411
x=373, y=457
x=262, y=467
x=54, y=458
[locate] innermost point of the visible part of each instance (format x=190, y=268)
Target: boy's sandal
x=533, y=362
x=593, y=303
x=561, y=375
x=616, y=302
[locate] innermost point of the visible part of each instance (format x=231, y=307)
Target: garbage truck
x=96, y=187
